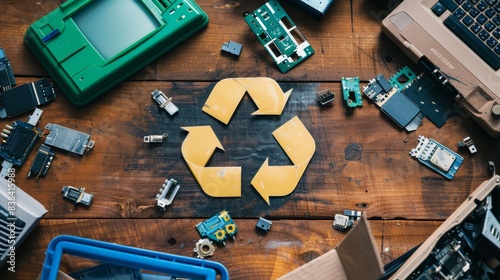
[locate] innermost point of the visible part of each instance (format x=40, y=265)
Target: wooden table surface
x=361, y=160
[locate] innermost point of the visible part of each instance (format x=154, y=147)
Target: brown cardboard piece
x=356, y=257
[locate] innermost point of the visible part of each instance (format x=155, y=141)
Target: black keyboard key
x=490, y=57
x=492, y=42
x=489, y=26
x=491, y=2
x=482, y=6
x=496, y=19
x=483, y=34
x=475, y=27
x=467, y=5
x=467, y=20
x=452, y=6
x=481, y=19
x=490, y=12
x=473, y=12
x=459, y=13
x=459, y=1
x=497, y=50
x=496, y=33
x=438, y=9
x=474, y=1
x=497, y=8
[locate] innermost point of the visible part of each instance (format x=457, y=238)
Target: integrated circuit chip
x=442, y=159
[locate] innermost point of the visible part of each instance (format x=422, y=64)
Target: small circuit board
x=7, y=79
x=218, y=228
x=403, y=78
x=393, y=103
x=437, y=157
x=279, y=35
x=18, y=141
x=26, y=97
x=352, y=92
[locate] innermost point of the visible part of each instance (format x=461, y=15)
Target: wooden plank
x=288, y=245
x=367, y=169
x=337, y=40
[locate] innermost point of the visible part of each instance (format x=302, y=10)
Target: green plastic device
x=88, y=46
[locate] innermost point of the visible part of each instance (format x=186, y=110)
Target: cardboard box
x=356, y=257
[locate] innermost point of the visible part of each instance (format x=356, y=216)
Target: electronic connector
x=7, y=79
x=168, y=189
x=218, y=228
x=26, y=97
x=264, y=224
x=42, y=161
x=77, y=195
x=351, y=92
x=164, y=102
x=325, y=96
x=155, y=138
x=68, y=139
x=437, y=157
x=342, y=222
x=204, y=248
x=393, y=103
x=19, y=139
x=279, y=35
x=232, y=48
x=467, y=142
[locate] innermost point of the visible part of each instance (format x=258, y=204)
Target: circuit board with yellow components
x=218, y=228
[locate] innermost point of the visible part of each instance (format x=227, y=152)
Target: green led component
x=279, y=35
x=218, y=228
x=352, y=92
x=88, y=47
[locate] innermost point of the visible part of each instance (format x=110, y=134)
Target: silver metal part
x=155, y=138
x=170, y=188
x=442, y=159
x=78, y=195
x=204, y=248
x=68, y=139
x=164, y=102
x=467, y=142
x=35, y=117
x=5, y=168
x=264, y=224
x=341, y=222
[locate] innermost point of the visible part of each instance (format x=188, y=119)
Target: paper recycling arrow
x=197, y=148
x=227, y=94
x=299, y=146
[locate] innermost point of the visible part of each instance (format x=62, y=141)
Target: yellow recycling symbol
x=201, y=141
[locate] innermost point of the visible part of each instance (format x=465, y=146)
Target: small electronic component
x=467, y=142
x=393, y=103
x=315, y=8
x=155, y=138
x=204, y=248
x=78, y=195
x=7, y=80
x=342, y=222
x=279, y=35
x=264, y=224
x=325, y=96
x=167, y=193
x=353, y=215
x=403, y=78
x=42, y=161
x=26, y=97
x=352, y=92
x=18, y=141
x=218, y=228
x=164, y=102
x=232, y=48
x=68, y=139
x=436, y=156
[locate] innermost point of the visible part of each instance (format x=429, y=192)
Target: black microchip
x=42, y=161
x=19, y=142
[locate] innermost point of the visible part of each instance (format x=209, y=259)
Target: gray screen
x=113, y=25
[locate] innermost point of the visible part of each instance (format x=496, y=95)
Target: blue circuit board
x=218, y=228
x=437, y=157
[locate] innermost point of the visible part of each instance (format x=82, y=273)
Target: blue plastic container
x=129, y=257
